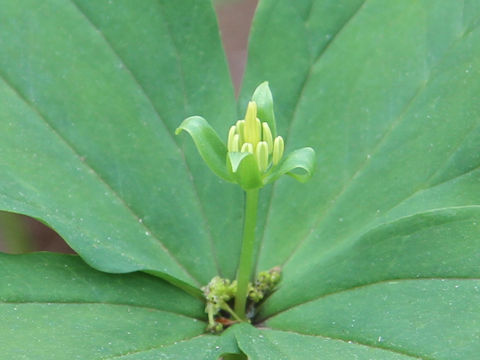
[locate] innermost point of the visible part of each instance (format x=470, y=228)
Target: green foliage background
x=380, y=250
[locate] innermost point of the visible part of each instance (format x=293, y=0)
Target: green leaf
x=266, y=344
x=426, y=318
x=88, y=114
x=264, y=100
x=91, y=315
x=209, y=145
x=385, y=92
x=379, y=250
x=303, y=159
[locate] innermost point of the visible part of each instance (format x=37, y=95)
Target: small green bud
x=267, y=136
x=278, y=147
x=275, y=275
x=254, y=293
x=262, y=155
x=215, y=327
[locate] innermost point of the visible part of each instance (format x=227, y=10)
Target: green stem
x=245, y=266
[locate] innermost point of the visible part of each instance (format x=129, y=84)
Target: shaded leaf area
x=428, y=319
x=56, y=306
x=390, y=108
x=91, y=93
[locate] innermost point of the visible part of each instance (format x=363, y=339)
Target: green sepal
x=264, y=100
x=243, y=167
x=302, y=159
x=208, y=143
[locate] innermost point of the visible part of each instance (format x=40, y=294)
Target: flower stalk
x=245, y=267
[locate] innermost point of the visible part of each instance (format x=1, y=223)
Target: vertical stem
x=245, y=266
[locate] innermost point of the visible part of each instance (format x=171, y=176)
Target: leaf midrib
x=293, y=117
x=156, y=347
x=97, y=175
x=354, y=342
x=106, y=303
x=367, y=284
x=379, y=144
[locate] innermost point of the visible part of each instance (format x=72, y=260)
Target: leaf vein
x=354, y=342
x=161, y=119
x=300, y=96
x=99, y=177
x=364, y=285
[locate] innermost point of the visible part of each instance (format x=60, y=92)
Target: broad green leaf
x=90, y=95
x=379, y=250
x=437, y=244
x=386, y=94
x=426, y=319
x=55, y=306
x=266, y=344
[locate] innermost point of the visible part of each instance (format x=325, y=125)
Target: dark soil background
x=234, y=17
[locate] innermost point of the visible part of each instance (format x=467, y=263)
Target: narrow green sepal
x=301, y=159
x=243, y=167
x=211, y=148
x=263, y=97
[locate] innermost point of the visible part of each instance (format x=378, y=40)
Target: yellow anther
x=278, y=147
x=231, y=134
x=247, y=147
x=235, y=143
x=241, y=130
x=258, y=132
x=267, y=136
x=251, y=133
x=261, y=154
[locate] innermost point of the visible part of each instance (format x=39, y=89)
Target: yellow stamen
x=267, y=136
x=251, y=124
x=231, y=134
x=262, y=155
x=278, y=147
